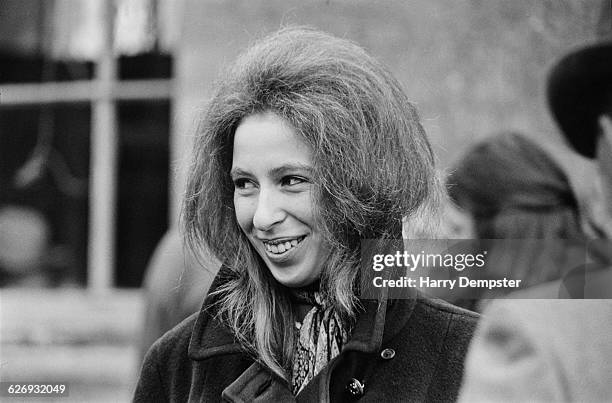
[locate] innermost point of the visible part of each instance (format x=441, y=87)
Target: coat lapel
x=257, y=384
x=380, y=321
x=210, y=337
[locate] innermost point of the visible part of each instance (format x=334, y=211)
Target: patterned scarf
x=321, y=337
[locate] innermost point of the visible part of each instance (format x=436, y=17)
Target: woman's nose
x=268, y=212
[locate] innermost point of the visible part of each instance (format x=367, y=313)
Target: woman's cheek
x=302, y=207
x=244, y=212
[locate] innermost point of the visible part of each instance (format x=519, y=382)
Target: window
x=84, y=140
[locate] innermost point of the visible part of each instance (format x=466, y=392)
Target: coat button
x=355, y=388
x=387, y=353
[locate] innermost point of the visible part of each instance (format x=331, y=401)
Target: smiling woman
x=309, y=146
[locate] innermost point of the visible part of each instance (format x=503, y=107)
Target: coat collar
x=210, y=337
x=380, y=320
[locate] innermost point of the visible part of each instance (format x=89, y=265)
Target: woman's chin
x=292, y=280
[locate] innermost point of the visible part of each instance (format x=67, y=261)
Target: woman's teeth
x=282, y=247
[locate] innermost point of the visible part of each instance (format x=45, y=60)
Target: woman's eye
x=292, y=180
x=243, y=184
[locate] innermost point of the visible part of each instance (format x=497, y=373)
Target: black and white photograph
x=305, y=201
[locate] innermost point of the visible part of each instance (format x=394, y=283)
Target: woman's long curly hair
x=372, y=166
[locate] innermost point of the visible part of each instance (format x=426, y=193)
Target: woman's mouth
x=281, y=246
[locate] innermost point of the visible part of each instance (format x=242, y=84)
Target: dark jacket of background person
x=516, y=191
x=400, y=350
x=175, y=286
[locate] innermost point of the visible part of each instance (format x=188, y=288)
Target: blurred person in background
x=558, y=350
x=175, y=284
x=308, y=147
x=514, y=189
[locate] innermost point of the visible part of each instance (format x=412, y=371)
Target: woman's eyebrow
x=290, y=167
x=238, y=172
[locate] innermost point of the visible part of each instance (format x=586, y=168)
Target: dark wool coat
x=399, y=350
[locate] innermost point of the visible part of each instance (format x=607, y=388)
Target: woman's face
x=273, y=198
